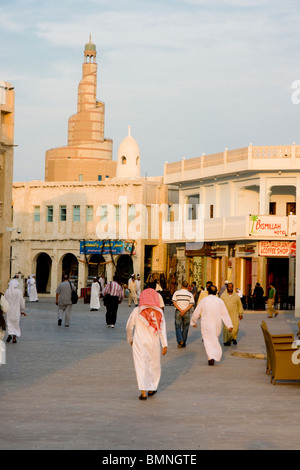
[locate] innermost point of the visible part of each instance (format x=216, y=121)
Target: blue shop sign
x=95, y=247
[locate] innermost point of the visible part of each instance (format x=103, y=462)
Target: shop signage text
x=115, y=247
x=268, y=225
x=274, y=248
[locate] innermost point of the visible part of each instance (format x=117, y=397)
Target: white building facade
x=86, y=229
x=246, y=227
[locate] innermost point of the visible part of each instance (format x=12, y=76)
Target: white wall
x=247, y=199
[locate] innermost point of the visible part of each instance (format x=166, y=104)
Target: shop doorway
x=248, y=276
x=70, y=267
x=96, y=267
x=43, y=273
x=147, y=262
x=124, y=269
x=278, y=274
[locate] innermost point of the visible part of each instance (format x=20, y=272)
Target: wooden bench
x=280, y=365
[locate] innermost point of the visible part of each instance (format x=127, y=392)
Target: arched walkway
x=96, y=266
x=70, y=266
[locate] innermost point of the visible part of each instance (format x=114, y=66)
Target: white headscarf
x=13, y=284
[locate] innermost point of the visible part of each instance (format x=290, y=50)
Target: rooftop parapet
x=259, y=158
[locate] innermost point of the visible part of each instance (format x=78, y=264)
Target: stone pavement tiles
x=75, y=388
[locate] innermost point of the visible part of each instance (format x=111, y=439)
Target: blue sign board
x=115, y=247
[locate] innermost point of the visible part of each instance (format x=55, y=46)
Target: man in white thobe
x=4, y=307
x=213, y=312
x=102, y=283
x=148, y=323
x=132, y=286
x=28, y=286
x=138, y=286
x=33, y=297
x=95, y=295
x=16, y=303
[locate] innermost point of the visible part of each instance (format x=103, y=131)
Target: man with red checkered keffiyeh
x=146, y=332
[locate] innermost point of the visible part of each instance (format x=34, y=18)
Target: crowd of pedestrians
x=146, y=330
x=146, y=326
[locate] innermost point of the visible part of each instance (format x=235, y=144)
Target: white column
x=110, y=271
x=81, y=276
x=262, y=196
x=232, y=198
x=54, y=276
x=297, y=278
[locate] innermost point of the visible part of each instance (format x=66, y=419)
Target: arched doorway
x=124, y=269
x=43, y=273
x=70, y=266
x=96, y=267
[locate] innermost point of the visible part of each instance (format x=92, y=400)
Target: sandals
x=150, y=394
x=9, y=338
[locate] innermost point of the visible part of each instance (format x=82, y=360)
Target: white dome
x=128, y=164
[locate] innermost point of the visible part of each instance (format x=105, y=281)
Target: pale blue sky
x=189, y=76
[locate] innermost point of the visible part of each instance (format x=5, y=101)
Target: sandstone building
x=91, y=215
x=88, y=155
x=7, y=113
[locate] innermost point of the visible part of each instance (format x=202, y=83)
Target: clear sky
x=189, y=76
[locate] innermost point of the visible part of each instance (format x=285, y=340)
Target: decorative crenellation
x=276, y=151
x=213, y=159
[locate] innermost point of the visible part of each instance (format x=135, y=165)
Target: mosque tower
x=128, y=160
x=88, y=155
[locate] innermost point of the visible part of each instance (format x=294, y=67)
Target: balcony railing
x=230, y=161
x=230, y=228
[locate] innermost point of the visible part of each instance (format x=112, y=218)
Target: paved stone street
x=75, y=388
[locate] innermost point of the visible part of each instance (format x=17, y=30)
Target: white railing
x=220, y=228
x=230, y=160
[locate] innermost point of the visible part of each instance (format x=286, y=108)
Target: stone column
x=110, y=271
x=54, y=279
x=81, y=276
